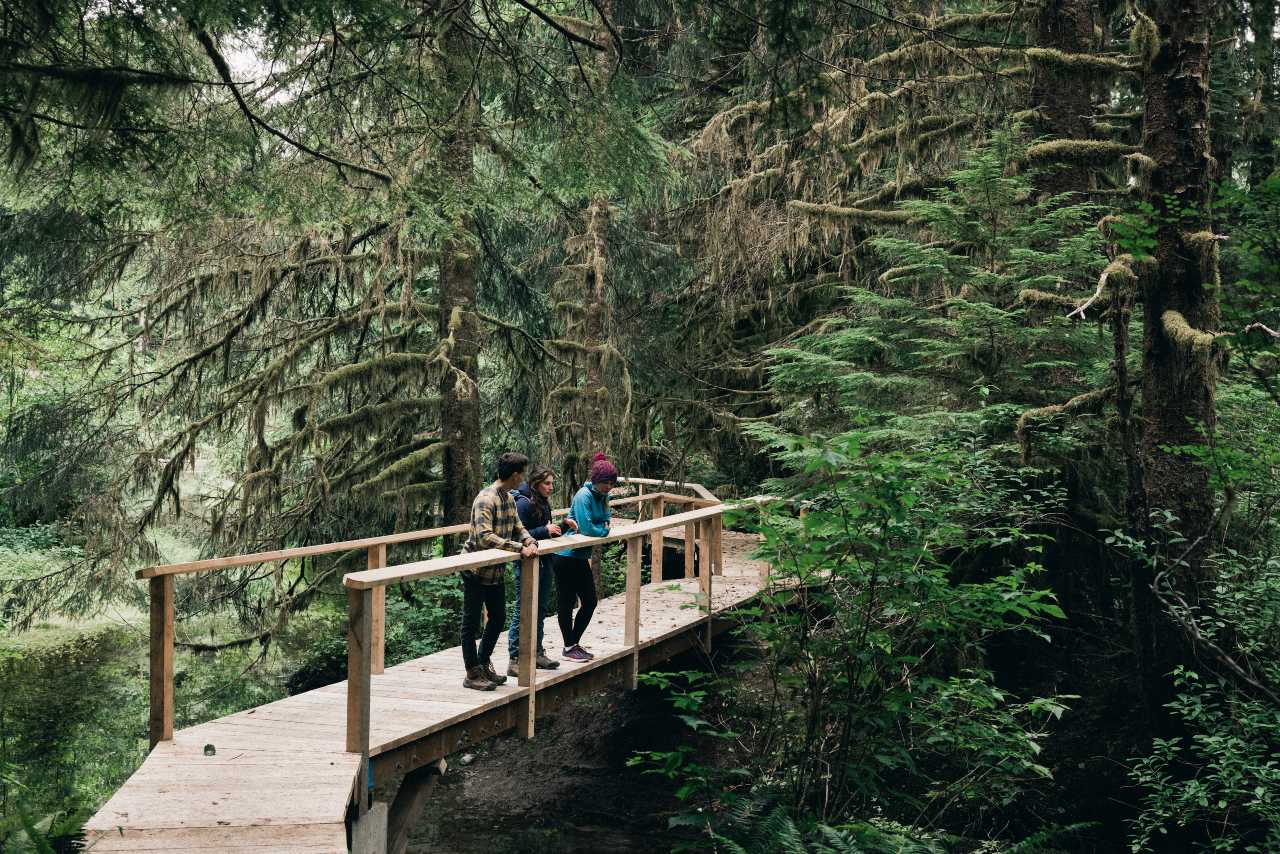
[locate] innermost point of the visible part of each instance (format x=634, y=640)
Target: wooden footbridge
x=298, y=774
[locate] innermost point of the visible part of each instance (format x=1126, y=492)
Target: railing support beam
x=160, y=724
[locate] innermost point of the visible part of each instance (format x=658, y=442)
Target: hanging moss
x=403, y=467
x=377, y=413
x=392, y=364
x=414, y=491
x=1144, y=40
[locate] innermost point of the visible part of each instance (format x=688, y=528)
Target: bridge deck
x=280, y=780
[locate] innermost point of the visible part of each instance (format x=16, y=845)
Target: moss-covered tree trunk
x=458, y=323
x=1262, y=23
x=1180, y=308
x=1063, y=96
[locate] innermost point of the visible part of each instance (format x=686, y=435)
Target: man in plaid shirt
x=494, y=525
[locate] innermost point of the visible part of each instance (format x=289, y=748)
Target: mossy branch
x=863, y=214
x=1187, y=338
x=1079, y=63
x=1090, y=401
x=1091, y=152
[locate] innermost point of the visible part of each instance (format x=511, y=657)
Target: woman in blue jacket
x=574, y=581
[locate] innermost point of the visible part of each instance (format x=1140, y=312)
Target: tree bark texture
x=1063, y=97
x=458, y=322
x=1179, y=360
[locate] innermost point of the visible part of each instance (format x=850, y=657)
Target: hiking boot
x=575, y=653
x=513, y=669
x=476, y=680
x=582, y=649
x=491, y=674
x=545, y=663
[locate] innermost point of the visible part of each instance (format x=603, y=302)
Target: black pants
x=493, y=598
x=574, y=582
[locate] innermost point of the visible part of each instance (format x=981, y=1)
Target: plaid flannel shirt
x=495, y=524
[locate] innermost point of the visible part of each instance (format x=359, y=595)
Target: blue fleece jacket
x=591, y=511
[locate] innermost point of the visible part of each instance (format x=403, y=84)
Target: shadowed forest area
x=984, y=292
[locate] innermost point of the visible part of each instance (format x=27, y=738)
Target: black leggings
x=574, y=582
x=493, y=598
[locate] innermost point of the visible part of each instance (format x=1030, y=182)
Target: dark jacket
x=534, y=511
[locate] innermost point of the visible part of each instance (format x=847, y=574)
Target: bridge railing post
x=631, y=611
x=690, y=546
x=160, y=723
x=530, y=618
x=656, y=541
x=378, y=616
x=359, y=683
x=705, y=570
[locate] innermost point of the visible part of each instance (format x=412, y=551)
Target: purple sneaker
x=576, y=653
x=584, y=651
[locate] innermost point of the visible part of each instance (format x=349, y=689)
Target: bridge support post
x=359, y=685
x=706, y=571
x=530, y=616
x=631, y=613
x=377, y=560
x=160, y=724
x=369, y=830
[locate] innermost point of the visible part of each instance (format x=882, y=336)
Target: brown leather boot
x=491, y=674
x=477, y=680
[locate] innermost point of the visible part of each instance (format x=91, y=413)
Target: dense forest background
x=987, y=289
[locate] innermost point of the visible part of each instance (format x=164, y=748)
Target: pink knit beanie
x=603, y=471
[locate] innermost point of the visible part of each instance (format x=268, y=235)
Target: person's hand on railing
x=553, y=529
x=529, y=549
x=573, y=526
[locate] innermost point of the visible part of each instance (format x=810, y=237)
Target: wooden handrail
x=343, y=546
x=417, y=570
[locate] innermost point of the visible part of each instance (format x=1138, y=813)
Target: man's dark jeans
x=492, y=597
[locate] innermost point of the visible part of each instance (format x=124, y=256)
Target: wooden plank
x=359, y=684
x=529, y=620
x=308, y=838
x=160, y=724
x=378, y=635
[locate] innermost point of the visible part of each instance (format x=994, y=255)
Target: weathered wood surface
x=280, y=779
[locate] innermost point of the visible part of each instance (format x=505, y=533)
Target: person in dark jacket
x=533, y=503
x=574, y=579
